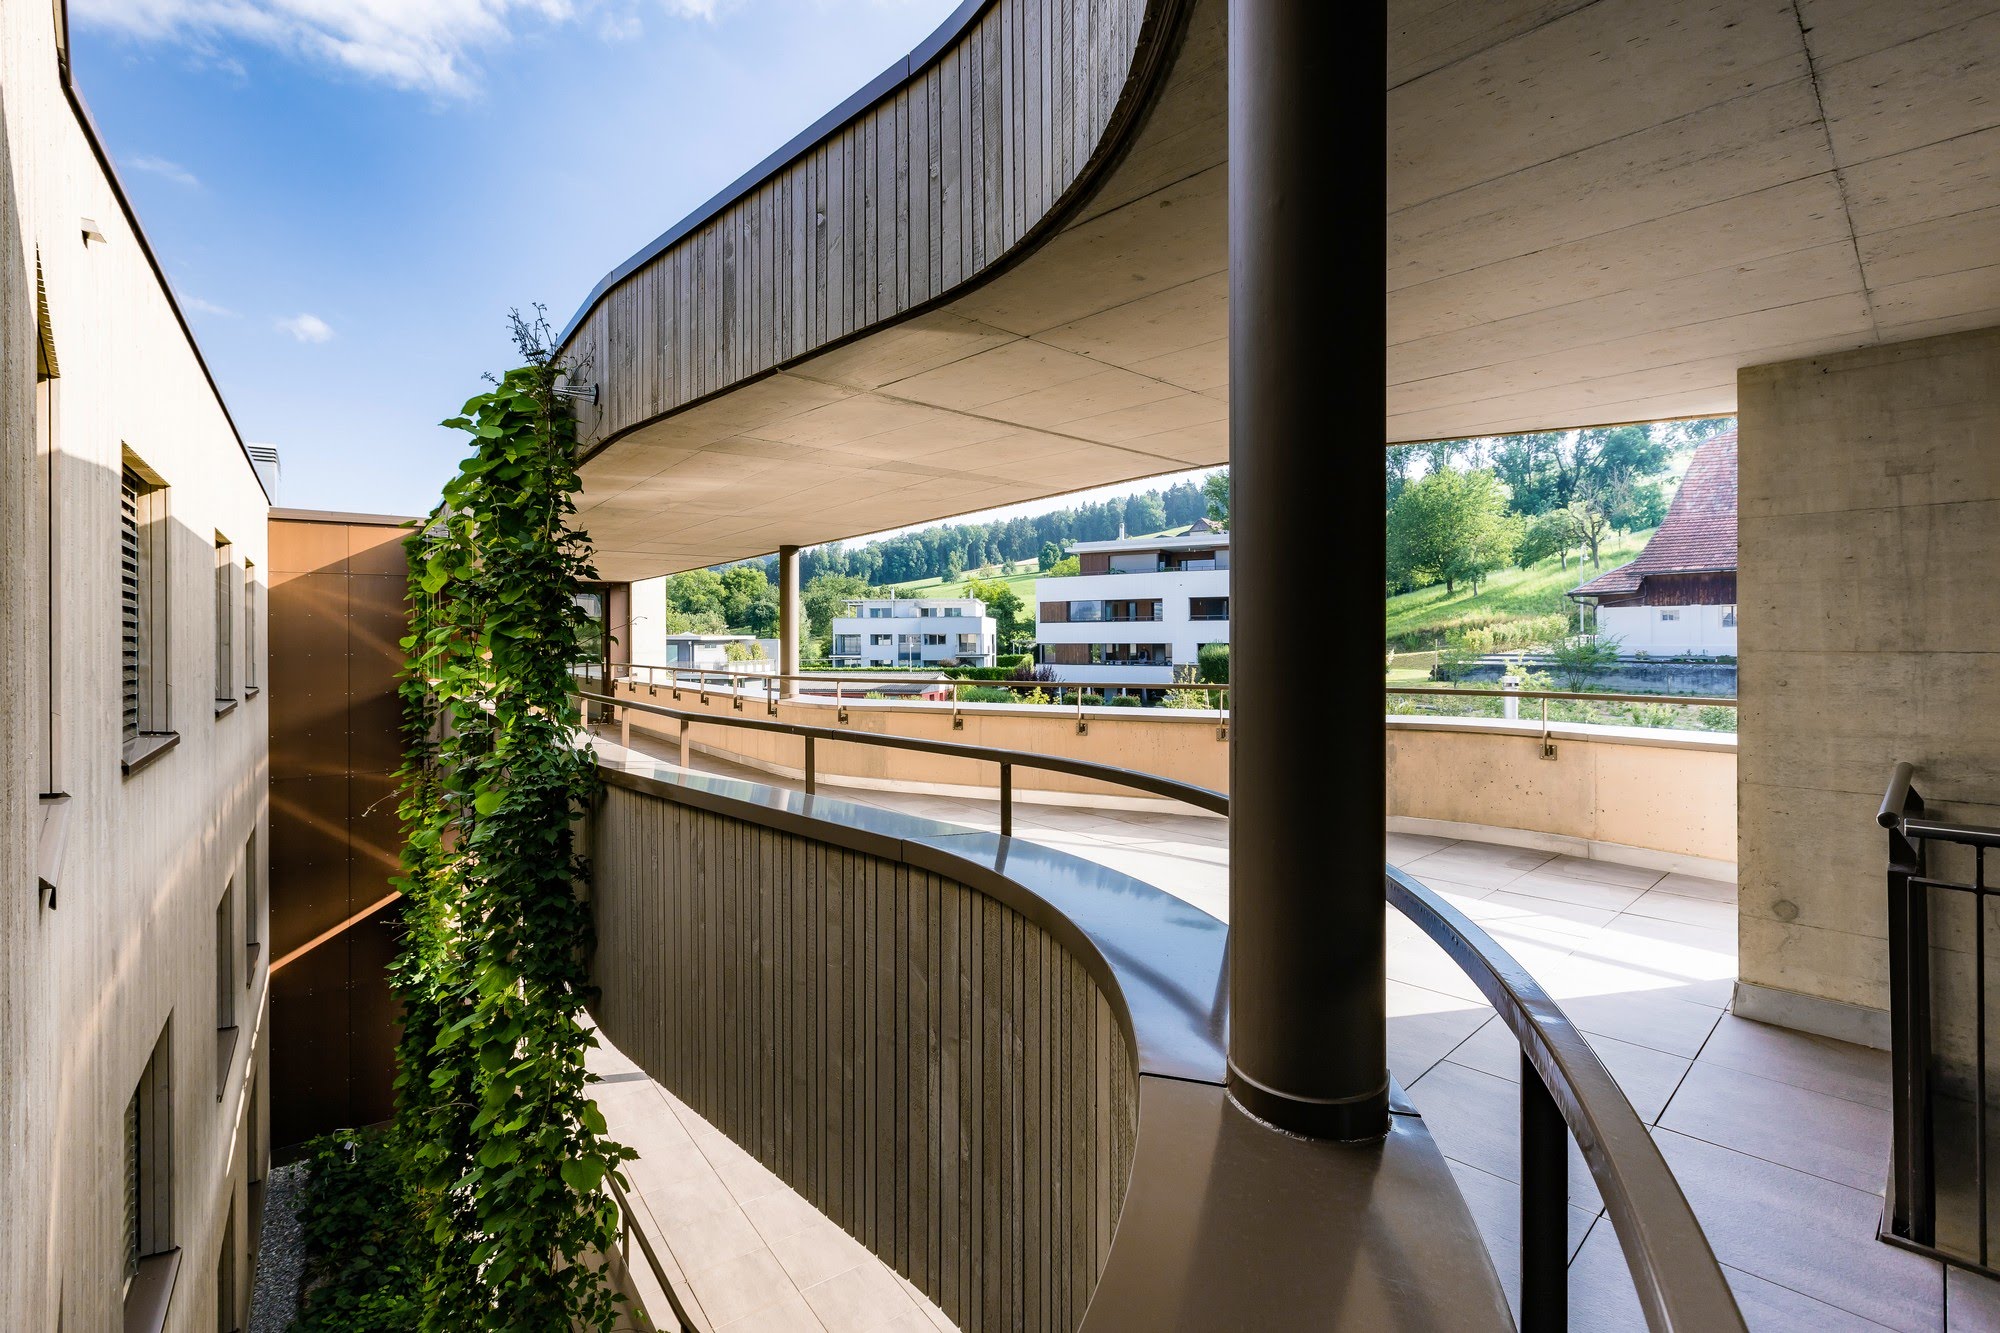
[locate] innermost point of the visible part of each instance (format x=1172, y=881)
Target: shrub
x=1714, y=717
x=1122, y=701
x=1454, y=660
x=1011, y=660
x=1576, y=660
x=985, y=694
x=1212, y=661
x=362, y=1250
x=1029, y=671
x=1092, y=700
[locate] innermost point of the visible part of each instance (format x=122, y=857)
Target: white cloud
x=160, y=166
x=201, y=307
x=306, y=328
x=422, y=45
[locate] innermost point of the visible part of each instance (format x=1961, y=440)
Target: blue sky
x=349, y=195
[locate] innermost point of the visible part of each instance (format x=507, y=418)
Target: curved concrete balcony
x=999, y=1067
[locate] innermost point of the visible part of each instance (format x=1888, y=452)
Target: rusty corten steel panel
x=337, y=614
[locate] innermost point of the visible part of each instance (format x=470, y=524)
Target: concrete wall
x=1662, y=798
x=1870, y=589
x=1659, y=795
x=88, y=985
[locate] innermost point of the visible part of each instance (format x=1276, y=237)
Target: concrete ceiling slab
x=1600, y=211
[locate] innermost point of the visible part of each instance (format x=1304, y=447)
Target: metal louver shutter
x=128, y=595
x=132, y=1167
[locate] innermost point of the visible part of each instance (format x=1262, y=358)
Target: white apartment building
x=1139, y=607
x=909, y=631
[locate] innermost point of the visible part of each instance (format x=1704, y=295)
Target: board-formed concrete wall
x=1870, y=632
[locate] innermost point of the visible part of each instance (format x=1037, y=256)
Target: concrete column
x=1307, y=198
x=1868, y=632
x=791, y=618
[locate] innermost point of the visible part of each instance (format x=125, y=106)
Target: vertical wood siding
x=926, y=1066
x=935, y=182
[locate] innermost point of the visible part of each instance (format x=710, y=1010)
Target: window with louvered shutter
x=132, y=1187
x=129, y=593
x=225, y=619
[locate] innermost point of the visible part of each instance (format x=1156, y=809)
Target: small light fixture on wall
x=91, y=232
x=583, y=393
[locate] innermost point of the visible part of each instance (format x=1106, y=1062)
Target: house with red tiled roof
x=1679, y=595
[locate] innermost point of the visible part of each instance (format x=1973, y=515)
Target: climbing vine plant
x=504, y=1150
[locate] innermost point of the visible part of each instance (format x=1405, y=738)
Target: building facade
x=1679, y=595
x=904, y=631
x=1137, y=608
x=133, y=732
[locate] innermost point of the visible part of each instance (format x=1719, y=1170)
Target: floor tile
x=1495, y=1205
x=1804, y=1061
x=701, y=1242
x=1569, y=889
x=1401, y=847
x=1804, y=1233
x=1828, y=1136
x=1692, y=911
x=1475, y=1118
x=1657, y=1018
x=1425, y=1026
x=737, y=1287
x=817, y=1253
x=1971, y=1302
x=858, y=1301
x=782, y=1212
x=1693, y=886
x=1602, y=872
x=788, y=1314
x=1478, y=864
x=1647, y=1077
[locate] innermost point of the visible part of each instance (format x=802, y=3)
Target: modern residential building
x=1137, y=608
x=1679, y=594
x=133, y=737
x=913, y=631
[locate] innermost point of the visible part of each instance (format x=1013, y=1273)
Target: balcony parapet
x=998, y=1066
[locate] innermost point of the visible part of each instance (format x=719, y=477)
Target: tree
x=695, y=592
x=1051, y=554
x=1212, y=662
x=749, y=602
x=1578, y=659
x=1144, y=513
x=1067, y=567
x=826, y=596
x=1006, y=609
x=1216, y=490
x=1450, y=527
x=1550, y=534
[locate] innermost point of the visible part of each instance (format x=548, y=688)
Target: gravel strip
x=275, y=1301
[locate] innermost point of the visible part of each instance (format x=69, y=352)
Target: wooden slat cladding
x=922, y=1063
x=936, y=181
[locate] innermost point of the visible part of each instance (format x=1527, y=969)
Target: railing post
x=1006, y=800
x=625, y=727
x=1544, y=1207
x=684, y=743
x=1912, y=1187
x=812, y=780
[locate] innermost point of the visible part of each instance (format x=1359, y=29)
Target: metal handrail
x=1691, y=700
x=683, y=1323
x=1202, y=798
x=1564, y=1084
x=839, y=678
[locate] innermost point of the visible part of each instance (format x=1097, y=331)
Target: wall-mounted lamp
x=91, y=232
x=588, y=395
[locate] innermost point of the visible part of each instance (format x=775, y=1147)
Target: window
x=253, y=907
x=1729, y=617
x=1085, y=612
x=249, y=628
x=934, y=640
x=47, y=373
x=225, y=620
x=1669, y=615
x=142, y=589
x=225, y=1276
x=225, y=986
x=150, y=1258
x=1208, y=608
x=878, y=638
x=878, y=613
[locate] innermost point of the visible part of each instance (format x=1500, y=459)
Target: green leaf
x=489, y=801
x=583, y=1174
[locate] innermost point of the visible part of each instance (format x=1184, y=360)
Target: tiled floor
x=1779, y=1140
x=745, y=1253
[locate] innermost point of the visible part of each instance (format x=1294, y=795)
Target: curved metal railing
x=1564, y=1086
x=1565, y=1089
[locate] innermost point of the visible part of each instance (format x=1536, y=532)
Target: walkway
x=1779, y=1140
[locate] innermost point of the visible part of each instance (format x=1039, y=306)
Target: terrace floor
x=1779, y=1140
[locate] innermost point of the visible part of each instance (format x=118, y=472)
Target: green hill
x=1020, y=576
x=1417, y=619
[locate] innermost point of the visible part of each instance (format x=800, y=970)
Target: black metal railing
x=1940, y=1158
x=1565, y=1089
